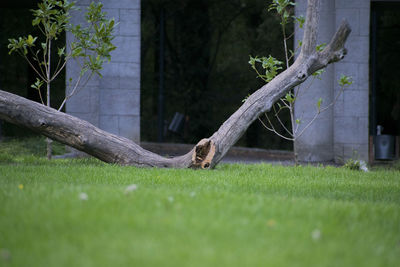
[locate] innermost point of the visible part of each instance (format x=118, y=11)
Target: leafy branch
x=91, y=47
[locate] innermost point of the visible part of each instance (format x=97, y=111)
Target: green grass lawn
x=235, y=215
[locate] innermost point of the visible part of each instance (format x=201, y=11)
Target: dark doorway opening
x=385, y=65
x=194, y=62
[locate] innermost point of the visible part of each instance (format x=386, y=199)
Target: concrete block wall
x=316, y=143
x=351, y=111
x=342, y=132
x=112, y=102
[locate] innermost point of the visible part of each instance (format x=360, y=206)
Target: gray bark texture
x=208, y=152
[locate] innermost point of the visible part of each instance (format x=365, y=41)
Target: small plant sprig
x=355, y=164
x=270, y=65
x=91, y=48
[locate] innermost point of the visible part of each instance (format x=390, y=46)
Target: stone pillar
x=113, y=102
x=316, y=143
x=342, y=132
x=351, y=111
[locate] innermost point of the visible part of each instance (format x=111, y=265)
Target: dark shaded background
x=207, y=75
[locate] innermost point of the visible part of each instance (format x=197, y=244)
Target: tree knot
x=302, y=75
x=203, y=154
x=42, y=123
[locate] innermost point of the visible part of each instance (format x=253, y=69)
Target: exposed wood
x=203, y=154
x=208, y=152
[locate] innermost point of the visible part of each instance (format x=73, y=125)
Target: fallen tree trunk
x=208, y=152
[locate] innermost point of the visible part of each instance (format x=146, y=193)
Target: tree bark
x=208, y=152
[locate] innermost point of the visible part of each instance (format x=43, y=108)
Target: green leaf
x=320, y=47
x=345, y=80
x=299, y=43
x=289, y=97
x=252, y=61
x=77, y=52
x=298, y=121
x=319, y=104
x=36, y=21
x=61, y=51
x=318, y=73
x=111, y=24
x=244, y=99
x=30, y=40
x=37, y=84
x=300, y=20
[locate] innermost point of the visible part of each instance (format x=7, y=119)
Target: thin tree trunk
x=208, y=152
x=48, y=140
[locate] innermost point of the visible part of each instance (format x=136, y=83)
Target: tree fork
x=208, y=152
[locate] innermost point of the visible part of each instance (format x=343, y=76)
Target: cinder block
x=109, y=82
x=84, y=101
x=355, y=151
x=364, y=21
x=304, y=111
x=119, y=102
x=326, y=26
x=129, y=127
x=122, y=4
x=316, y=153
x=352, y=15
x=363, y=76
x=317, y=134
x=358, y=49
x=363, y=123
x=350, y=130
x=356, y=103
x=110, y=77
x=352, y=3
x=341, y=132
x=338, y=108
x=338, y=153
x=129, y=76
x=128, y=49
x=301, y=6
x=112, y=13
x=83, y=2
x=326, y=5
x=109, y=123
x=349, y=69
x=130, y=22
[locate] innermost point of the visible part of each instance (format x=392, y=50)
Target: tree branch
x=310, y=28
x=208, y=152
x=81, y=134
